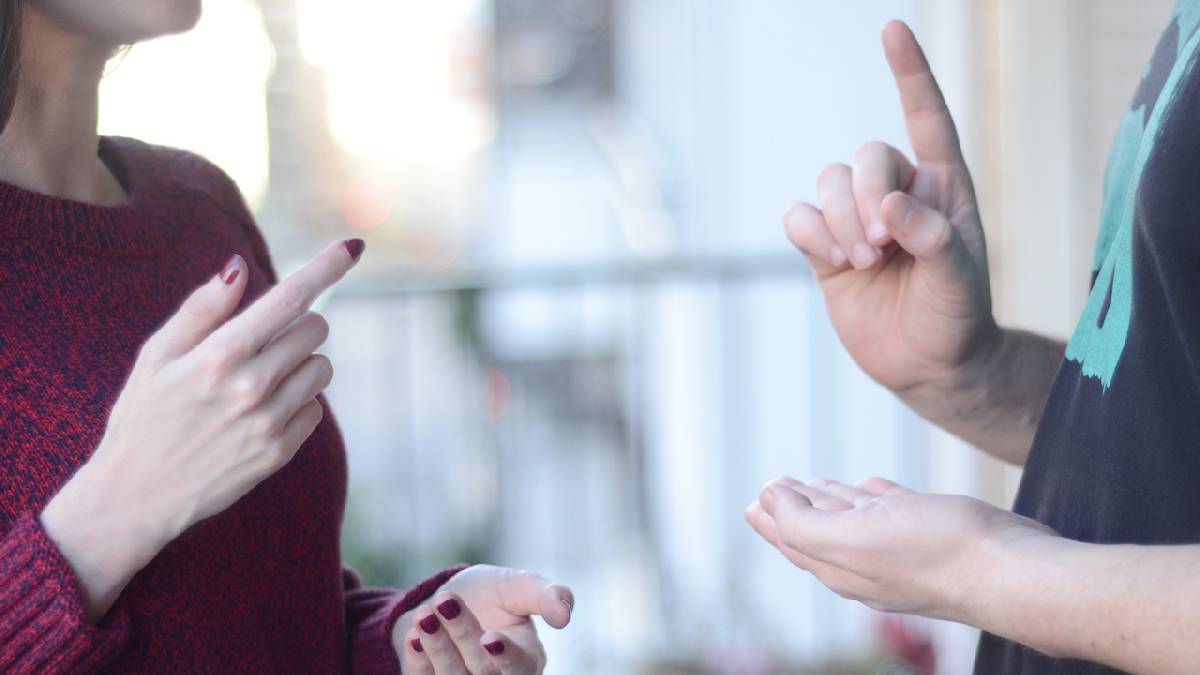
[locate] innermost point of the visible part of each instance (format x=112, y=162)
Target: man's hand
x=898, y=247
x=479, y=624
x=898, y=250
x=1129, y=607
x=888, y=547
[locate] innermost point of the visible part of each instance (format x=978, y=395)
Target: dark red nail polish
x=450, y=609
x=354, y=247
x=495, y=649
x=233, y=267
x=430, y=624
x=416, y=645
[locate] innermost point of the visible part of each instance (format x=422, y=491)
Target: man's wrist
x=1005, y=567
x=947, y=395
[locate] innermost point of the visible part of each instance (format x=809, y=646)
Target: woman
x=171, y=482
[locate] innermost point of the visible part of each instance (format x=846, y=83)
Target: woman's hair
x=10, y=56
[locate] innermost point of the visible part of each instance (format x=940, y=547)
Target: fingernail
x=231, y=270
x=354, y=247
x=430, y=624
x=767, y=500
x=837, y=257
x=416, y=645
x=450, y=609
x=863, y=255
x=904, y=209
x=495, y=648
x=876, y=230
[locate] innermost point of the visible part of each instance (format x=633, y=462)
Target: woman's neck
x=50, y=143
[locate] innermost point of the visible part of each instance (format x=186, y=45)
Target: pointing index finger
x=930, y=127
x=292, y=297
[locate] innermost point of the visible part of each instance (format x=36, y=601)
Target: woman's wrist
x=105, y=542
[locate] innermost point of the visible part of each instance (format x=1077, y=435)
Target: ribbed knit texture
x=258, y=588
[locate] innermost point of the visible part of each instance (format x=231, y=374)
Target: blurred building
x=579, y=342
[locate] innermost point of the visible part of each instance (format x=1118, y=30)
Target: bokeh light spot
x=367, y=200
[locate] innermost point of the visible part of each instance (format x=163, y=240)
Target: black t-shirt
x=1116, y=458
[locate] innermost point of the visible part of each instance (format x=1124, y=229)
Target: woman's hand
x=479, y=624
x=889, y=547
x=212, y=407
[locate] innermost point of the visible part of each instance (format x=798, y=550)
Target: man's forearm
x=1134, y=608
x=995, y=402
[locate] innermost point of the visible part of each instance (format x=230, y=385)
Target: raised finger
x=931, y=130
x=878, y=170
x=260, y=322
x=199, y=315
x=807, y=230
x=835, y=192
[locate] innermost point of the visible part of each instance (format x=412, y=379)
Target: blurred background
x=579, y=342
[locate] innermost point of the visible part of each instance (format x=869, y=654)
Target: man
x=1097, y=568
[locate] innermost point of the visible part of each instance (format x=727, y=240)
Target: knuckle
x=278, y=453
x=248, y=389
x=223, y=355
x=322, y=363
x=800, y=223
x=263, y=426
x=320, y=325
x=832, y=173
x=872, y=150
x=942, y=237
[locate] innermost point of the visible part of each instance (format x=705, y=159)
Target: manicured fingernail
x=354, y=247
x=416, y=645
x=231, y=270
x=450, y=609
x=837, y=257
x=430, y=624
x=495, y=648
x=876, y=230
x=864, y=255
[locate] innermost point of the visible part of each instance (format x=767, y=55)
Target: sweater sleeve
x=371, y=614
x=43, y=621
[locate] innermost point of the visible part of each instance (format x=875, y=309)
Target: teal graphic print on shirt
x=1099, y=337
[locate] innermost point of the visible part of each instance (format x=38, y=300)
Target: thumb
x=528, y=594
x=925, y=234
x=200, y=314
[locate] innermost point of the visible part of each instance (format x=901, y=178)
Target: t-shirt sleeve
x=371, y=614
x=43, y=621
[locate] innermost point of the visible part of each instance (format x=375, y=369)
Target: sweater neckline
x=135, y=227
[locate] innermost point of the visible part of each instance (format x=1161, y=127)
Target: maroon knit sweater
x=259, y=588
